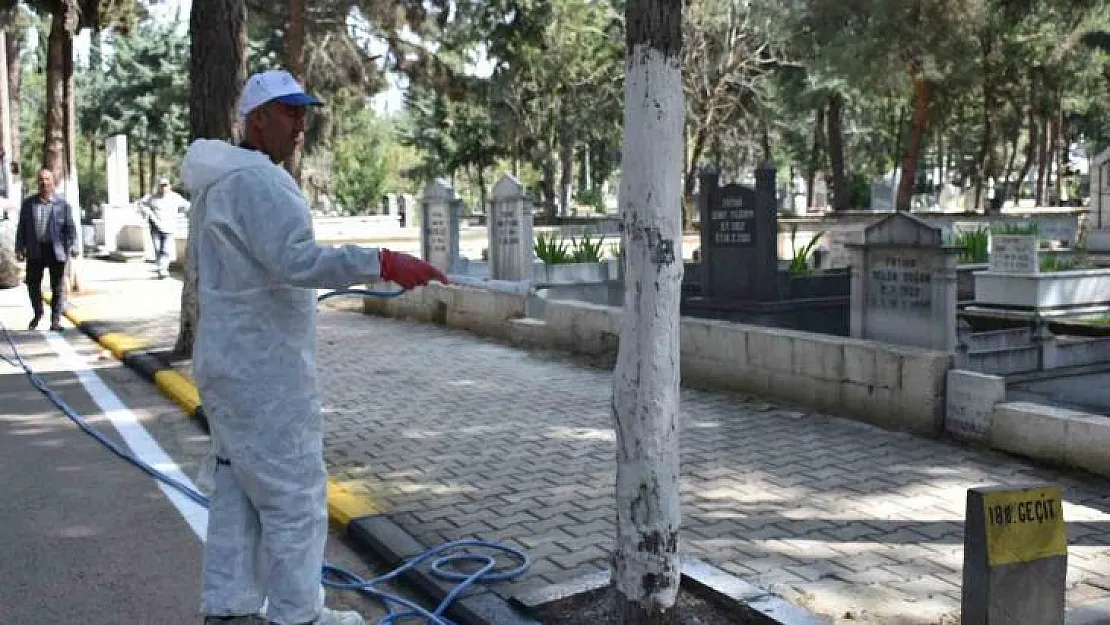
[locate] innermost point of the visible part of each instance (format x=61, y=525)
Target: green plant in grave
x=586, y=250
x=975, y=244
x=799, y=264
x=551, y=249
x=1029, y=229
x=1051, y=263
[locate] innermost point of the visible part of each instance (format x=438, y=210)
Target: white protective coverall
x=255, y=367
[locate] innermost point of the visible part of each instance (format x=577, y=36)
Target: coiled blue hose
x=445, y=557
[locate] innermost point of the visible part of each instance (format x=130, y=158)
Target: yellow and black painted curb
x=346, y=503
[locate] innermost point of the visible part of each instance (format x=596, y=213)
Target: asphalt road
x=84, y=537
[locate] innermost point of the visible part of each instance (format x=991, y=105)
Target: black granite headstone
x=739, y=237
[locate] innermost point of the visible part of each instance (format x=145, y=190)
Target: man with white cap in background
x=161, y=210
x=254, y=360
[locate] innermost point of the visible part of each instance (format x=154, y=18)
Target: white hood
x=208, y=160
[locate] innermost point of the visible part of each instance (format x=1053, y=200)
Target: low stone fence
x=900, y=388
x=977, y=411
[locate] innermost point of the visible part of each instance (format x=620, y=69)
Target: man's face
x=280, y=129
x=162, y=188
x=46, y=183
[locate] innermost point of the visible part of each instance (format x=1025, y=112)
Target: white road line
x=142, y=444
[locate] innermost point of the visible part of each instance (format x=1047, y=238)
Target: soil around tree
x=694, y=607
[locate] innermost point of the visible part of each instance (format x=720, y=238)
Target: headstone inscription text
x=900, y=283
x=508, y=223
x=733, y=220
x=438, y=225
x=1014, y=254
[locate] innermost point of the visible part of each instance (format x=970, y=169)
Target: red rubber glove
x=406, y=270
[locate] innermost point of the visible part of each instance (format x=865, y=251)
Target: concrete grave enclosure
x=893, y=386
x=899, y=387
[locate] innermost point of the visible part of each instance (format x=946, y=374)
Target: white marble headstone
x=510, y=232
x=904, y=285
x=970, y=398
x=118, y=180
x=1014, y=254
x=439, y=241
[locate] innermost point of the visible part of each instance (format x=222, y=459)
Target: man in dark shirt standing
x=45, y=234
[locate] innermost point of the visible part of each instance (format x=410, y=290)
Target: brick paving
x=463, y=437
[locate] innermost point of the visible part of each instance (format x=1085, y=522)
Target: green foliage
x=800, y=262
x=586, y=249
x=975, y=244
x=591, y=197
x=1054, y=262
x=361, y=170
x=1027, y=229
x=143, y=94
x=552, y=250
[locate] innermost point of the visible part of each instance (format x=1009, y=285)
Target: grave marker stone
x=904, y=285
x=117, y=213
x=883, y=196
x=118, y=181
x=510, y=232
x=439, y=240
x=1014, y=254
x=820, y=192
x=970, y=398
x=1015, y=556
x=739, y=237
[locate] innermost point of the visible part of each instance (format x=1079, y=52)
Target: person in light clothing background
x=161, y=210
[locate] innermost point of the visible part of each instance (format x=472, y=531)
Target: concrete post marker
x=1015, y=556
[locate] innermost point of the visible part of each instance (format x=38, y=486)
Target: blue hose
x=446, y=556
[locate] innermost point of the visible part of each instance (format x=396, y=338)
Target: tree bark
x=142, y=174
x=218, y=62
x=15, y=83
x=1030, y=151
x=983, y=164
x=294, y=62
x=645, y=404
x=1060, y=149
x=815, y=155
x=217, y=54
x=153, y=169
x=566, y=167
x=841, y=197
x=913, y=148
x=689, y=206
x=548, y=187
x=70, y=183
x=1043, y=159
x=54, y=135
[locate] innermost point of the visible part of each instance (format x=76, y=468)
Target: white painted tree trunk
x=646, y=568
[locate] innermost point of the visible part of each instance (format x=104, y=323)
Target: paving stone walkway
x=463, y=437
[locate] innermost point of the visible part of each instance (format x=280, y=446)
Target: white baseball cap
x=274, y=84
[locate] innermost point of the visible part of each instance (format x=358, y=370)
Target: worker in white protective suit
x=255, y=361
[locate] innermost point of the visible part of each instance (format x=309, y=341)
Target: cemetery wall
x=1050, y=434
x=901, y=388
